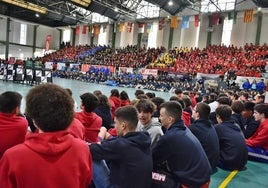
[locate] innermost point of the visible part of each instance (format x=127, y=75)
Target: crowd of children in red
x=247, y=61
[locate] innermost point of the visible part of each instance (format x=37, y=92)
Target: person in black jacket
x=129, y=154
x=237, y=108
x=233, y=149
x=251, y=125
x=104, y=111
x=205, y=133
x=178, y=151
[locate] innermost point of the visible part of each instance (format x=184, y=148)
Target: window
x=23, y=33
x=148, y=10
x=66, y=35
x=227, y=31
x=223, y=5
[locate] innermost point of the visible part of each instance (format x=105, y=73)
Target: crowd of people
x=216, y=59
x=115, y=141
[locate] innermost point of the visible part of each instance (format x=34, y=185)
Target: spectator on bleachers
x=260, y=86
x=233, y=149
x=250, y=124
x=146, y=109
x=124, y=99
x=91, y=121
x=114, y=100
x=179, y=143
x=246, y=85
x=237, y=109
x=104, y=111
x=257, y=144
x=66, y=160
x=13, y=126
x=206, y=133
x=129, y=154
x=157, y=101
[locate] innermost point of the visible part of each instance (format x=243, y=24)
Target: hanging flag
x=121, y=26
x=215, y=18
x=141, y=28
x=84, y=30
x=185, y=22
x=248, y=15
x=196, y=20
x=174, y=22
x=129, y=27
x=104, y=27
x=161, y=24
x=96, y=29
x=48, y=40
x=148, y=27
x=77, y=30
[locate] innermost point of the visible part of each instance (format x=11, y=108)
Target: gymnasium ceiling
x=68, y=12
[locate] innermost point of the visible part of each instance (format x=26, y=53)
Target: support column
x=259, y=25
x=60, y=37
x=209, y=36
x=73, y=40
x=91, y=39
x=7, y=38
x=170, y=39
x=114, y=35
x=139, y=39
x=34, y=38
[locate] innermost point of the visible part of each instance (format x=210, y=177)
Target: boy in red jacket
x=258, y=143
x=52, y=157
x=13, y=127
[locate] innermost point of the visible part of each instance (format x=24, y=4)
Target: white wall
x=166, y=31
x=239, y=32
x=264, y=31
x=203, y=33
x=3, y=25
x=242, y=33
x=188, y=36
x=176, y=41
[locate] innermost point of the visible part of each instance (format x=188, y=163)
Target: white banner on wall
x=147, y=72
x=241, y=79
x=49, y=65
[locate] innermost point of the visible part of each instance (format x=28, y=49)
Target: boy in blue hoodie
x=129, y=154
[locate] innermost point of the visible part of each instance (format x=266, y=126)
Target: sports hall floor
x=255, y=176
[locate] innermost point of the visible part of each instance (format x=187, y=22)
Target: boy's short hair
x=89, y=101
x=262, y=109
x=203, y=109
x=173, y=109
x=237, y=106
x=9, y=100
x=129, y=114
x=145, y=105
x=224, y=112
x=50, y=106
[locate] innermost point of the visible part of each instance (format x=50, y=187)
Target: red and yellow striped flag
x=248, y=15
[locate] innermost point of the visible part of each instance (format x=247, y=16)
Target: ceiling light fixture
x=170, y=3
x=116, y=9
x=84, y=3
x=27, y=5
